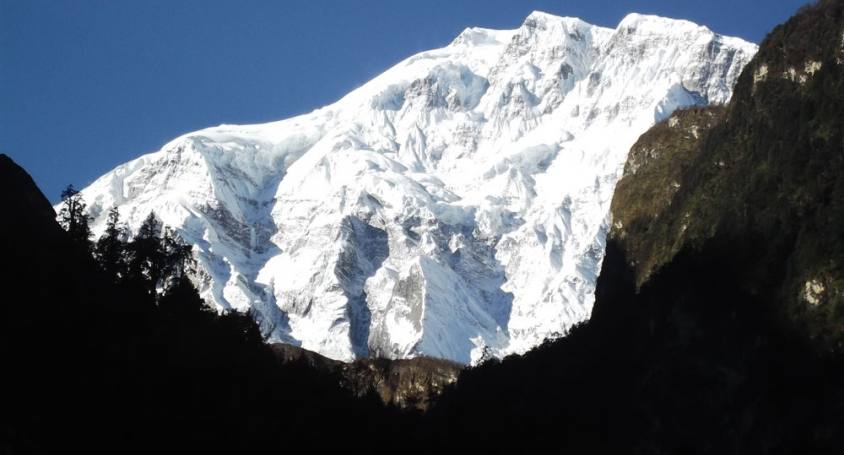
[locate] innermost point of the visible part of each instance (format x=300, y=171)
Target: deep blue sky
x=86, y=85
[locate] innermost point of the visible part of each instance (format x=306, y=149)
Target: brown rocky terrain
x=407, y=383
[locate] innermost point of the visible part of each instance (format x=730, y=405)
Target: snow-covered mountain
x=455, y=206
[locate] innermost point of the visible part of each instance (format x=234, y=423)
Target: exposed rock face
x=455, y=205
x=407, y=383
x=653, y=177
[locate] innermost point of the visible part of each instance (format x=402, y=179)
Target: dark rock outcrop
x=406, y=383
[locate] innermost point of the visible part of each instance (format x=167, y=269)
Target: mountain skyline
x=690, y=184
x=116, y=80
x=455, y=206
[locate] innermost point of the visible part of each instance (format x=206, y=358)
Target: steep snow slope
x=454, y=206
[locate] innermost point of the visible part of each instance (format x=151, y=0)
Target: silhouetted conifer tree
x=158, y=262
x=73, y=218
x=110, y=250
x=146, y=262
x=177, y=255
x=181, y=302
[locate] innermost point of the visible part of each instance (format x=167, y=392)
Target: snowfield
x=455, y=206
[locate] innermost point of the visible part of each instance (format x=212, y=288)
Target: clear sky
x=88, y=84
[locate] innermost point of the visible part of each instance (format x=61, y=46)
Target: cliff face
x=764, y=179
x=652, y=178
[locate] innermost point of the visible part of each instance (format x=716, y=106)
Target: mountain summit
x=455, y=206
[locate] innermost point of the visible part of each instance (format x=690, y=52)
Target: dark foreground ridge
x=717, y=326
x=97, y=366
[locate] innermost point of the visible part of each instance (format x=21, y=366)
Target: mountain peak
x=536, y=18
x=454, y=206
x=478, y=36
x=658, y=25
x=558, y=28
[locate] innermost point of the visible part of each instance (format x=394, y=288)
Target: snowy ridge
x=455, y=206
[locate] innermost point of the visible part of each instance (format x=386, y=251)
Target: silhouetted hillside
x=90, y=364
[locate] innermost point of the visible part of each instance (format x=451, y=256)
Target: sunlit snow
x=457, y=203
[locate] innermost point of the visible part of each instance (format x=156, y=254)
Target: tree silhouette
x=146, y=262
x=158, y=262
x=177, y=256
x=110, y=250
x=73, y=218
x=145, y=375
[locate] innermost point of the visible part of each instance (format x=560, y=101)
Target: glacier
x=455, y=206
